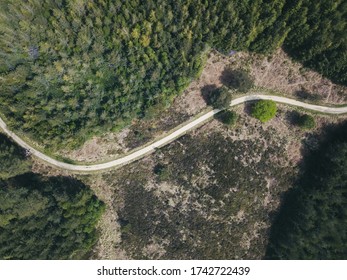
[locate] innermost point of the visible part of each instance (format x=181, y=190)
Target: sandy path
x=167, y=139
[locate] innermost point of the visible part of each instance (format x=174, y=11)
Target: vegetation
x=75, y=68
x=211, y=201
x=43, y=217
x=312, y=223
x=220, y=98
x=306, y=122
x=237, y=79
x=227, y=117
x=264, y=110
x=12, y=159
x=47, y=218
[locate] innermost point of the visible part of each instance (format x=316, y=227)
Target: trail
x=147, y=149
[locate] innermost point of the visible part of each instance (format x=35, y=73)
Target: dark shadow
x=293, y=117
x=237, y=79
x=248, y=107
x=206, y=92
x=314, y=169
x=226, y=77
x=305, y=95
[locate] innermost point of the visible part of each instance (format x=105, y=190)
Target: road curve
x=167, y=139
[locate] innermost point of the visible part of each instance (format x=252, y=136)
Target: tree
x=306, y=122
x=264, y=110
x=312, y=222
x=13, y=159
x=47, y=218
x=227, y=117
x=220, y=98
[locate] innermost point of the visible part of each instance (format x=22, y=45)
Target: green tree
x=306, y=122
x=13, y=159
x=227, y=117
x=312, y=222
x=220, y=98
x=47, y=218
x=264, y=110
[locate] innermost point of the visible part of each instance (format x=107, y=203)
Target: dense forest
x=13, y=160
x=312, y=222
x=73, y=68
x=43, y=217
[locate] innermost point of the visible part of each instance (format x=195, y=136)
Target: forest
x=71, y=69
x=43, y=217
x=312, y=222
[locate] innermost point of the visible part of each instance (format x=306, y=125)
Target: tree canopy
x=43, y=217
x=220, y=98
x=264, y=110
x=47, y=218
x=306, y=122
x=13, y=160
x=70, y=69
x=312, y=222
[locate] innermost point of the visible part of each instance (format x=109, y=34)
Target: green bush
x=228, y=117
x=306, y=122
x=220, y=98
x=264, y=110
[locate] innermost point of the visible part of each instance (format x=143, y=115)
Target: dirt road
x=167, y=139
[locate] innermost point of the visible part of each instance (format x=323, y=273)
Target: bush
x=264, y=110
x=228, y=117
x=237, y=79
x=306, y=122
x=162, y=172
x=220, y=98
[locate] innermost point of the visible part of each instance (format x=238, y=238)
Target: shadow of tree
x=206, y=92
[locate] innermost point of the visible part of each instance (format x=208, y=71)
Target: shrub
x=228, y=117
x=162, y=172
x=306, y=122
x=264, y=110
x=220, y=98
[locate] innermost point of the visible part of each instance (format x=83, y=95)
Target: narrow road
x=167, y=139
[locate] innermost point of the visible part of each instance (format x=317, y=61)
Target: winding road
x=167, y=139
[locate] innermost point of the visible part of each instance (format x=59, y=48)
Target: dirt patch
x=281, y=74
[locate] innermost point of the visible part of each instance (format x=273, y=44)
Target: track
x=147, y=149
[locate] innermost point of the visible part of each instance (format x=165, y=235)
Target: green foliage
x=312, y=222
x=227, y=117
x=306, y=122
x=317, y=37
x=220, y=98
x=47, y=218
x=13, y=160
x=237, y=79
x=70, y=69
x=264, y=110
x=162, y=172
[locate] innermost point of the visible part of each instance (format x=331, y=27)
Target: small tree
x=264, y=110
x=228, y=117
x=220, y=98
x=306, y=122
